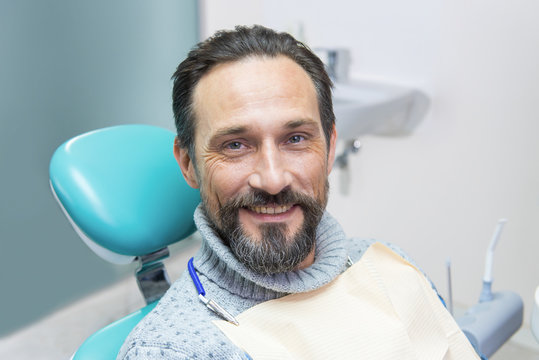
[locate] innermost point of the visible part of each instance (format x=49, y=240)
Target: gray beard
x=276, y=251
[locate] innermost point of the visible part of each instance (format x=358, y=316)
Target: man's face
x=261, y=158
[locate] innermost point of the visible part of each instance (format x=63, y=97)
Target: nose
x=270, y=171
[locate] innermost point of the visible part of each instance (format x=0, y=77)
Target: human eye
x=235, y=148
x=234, y=145
x=296, y=139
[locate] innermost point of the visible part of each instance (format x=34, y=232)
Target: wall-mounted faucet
x=351, y=147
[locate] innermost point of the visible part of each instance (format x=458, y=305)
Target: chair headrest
x=122, y=189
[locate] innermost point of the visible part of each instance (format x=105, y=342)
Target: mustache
x=260, y=198
x=256, y=197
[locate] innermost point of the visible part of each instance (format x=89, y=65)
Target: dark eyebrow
x=233, y=130
x=301, y=122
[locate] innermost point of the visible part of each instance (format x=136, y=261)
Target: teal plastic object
x=123, y=188
x=106, y=343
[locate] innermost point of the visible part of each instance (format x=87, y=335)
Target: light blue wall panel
x=66, y=67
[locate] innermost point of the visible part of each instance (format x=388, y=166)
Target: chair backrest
x=123, y=191
x=124, y=194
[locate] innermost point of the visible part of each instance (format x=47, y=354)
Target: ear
x=187, y=166
x=332, y=145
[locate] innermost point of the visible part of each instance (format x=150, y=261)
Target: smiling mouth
x=270, y=209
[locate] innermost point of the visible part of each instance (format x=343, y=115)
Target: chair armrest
x=105, y=344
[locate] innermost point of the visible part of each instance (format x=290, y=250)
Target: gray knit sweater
x=180, y=326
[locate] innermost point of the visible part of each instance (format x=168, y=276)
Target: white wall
x=439, y=192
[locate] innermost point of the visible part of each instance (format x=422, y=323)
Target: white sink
x=365, y=107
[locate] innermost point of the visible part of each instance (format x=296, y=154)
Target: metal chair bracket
x=152, y=277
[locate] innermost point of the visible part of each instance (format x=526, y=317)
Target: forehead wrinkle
x=223, y=76
x=242, y=129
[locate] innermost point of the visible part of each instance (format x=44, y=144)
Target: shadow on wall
x=67, y=68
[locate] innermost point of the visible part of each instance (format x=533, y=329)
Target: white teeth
x=270, y=209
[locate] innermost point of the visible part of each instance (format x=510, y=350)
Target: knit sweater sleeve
x=159, y=351
x=152, y=352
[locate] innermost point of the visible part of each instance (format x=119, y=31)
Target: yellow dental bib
x=382, y=307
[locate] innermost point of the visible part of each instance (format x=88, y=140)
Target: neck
x=216, y=261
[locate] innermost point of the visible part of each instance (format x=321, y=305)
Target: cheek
x=222, y=180
x=311, y=172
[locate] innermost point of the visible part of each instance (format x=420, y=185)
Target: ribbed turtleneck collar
x=217, y=262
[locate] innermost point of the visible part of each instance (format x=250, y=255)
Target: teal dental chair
x=123, y=192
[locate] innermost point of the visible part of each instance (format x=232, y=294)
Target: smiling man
x=261, y=160
x=256, y=135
